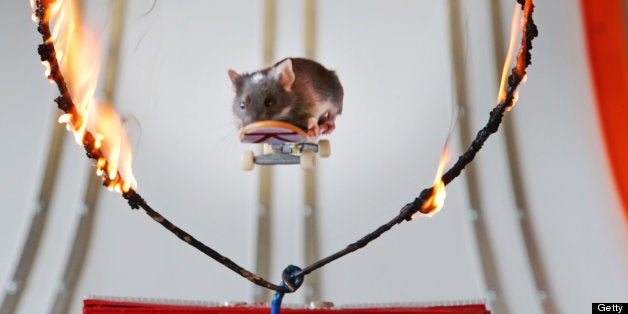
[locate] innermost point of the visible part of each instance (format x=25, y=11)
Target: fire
x=514, y=31
x=113, y=141
x=77, y=53
x=437, y=199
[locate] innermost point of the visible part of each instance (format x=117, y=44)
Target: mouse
x=294, y=90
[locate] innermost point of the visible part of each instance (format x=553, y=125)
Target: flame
x=437, y=199
x=111, y=138
x=77, y=53
x=514, y=32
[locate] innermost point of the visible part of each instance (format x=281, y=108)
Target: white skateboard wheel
x=324, y=148
x=248, y=160
x=308, y=160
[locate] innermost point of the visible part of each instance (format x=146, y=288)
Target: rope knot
x=290, y=283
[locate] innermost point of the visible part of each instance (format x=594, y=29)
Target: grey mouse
x=294, y=90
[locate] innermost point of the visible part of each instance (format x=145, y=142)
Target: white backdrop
x=394, y=60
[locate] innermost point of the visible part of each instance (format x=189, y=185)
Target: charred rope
x=529, y=32
x=65, y=103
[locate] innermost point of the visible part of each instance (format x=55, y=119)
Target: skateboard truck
x=284, y=144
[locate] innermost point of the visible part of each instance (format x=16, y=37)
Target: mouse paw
x=327, y=127
x=313, y=130
x=327, y=123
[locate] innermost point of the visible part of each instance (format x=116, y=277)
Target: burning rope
x=65, y=103
x=517, y=74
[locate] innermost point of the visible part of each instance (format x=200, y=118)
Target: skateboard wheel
x=324, y=148
x=248, y=160
x=308, y=160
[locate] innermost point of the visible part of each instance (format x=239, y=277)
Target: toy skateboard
x=284, y=144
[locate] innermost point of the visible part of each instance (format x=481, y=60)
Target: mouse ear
x=235, y=78
x=284, y=74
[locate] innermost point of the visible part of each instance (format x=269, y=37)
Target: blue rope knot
x=290, y=283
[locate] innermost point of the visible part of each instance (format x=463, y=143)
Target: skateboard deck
x=284, y=144
x=272, y=132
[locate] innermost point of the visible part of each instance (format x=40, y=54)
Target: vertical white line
x=83, y=233
x=486, y=252
x=15, y=287
x=264, y=219
x=518, y=186
x=311, y=210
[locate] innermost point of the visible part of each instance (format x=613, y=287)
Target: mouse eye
x=267, y=102
x=242, y=106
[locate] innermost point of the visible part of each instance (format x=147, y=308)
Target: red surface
x=96, y=306
x=604, y=25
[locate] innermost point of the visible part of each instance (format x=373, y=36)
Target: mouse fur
x=294, y=90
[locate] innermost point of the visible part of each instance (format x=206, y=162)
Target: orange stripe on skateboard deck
x=272, y=132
